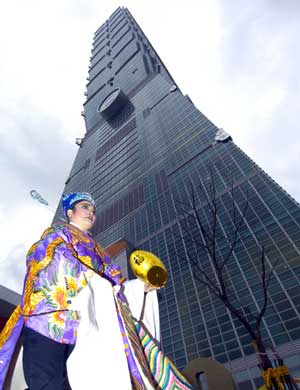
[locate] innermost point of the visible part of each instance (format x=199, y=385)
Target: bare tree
x=206, y=234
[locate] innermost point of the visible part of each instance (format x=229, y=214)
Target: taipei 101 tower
x=145, y=142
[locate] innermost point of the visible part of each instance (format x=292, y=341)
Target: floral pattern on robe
x=74, y=257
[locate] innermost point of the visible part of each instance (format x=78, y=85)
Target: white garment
x=134, y=291
x=98, y=360
x=18, y=380
x=75, y=224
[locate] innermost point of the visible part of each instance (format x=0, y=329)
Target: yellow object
x=273, y=373
x=148, y=268
x=277, y=373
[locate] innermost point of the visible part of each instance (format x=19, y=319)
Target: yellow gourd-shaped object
x=148, y=268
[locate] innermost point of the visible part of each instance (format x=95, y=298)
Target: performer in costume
x=61, y=297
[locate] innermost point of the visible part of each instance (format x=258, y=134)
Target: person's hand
x=149, y=288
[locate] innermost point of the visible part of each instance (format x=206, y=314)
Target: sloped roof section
x=9, y=299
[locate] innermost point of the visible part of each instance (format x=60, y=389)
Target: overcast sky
x=238, y=60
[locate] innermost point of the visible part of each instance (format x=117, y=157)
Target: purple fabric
x=8, y=348
x=129, y=355
x=63, y=279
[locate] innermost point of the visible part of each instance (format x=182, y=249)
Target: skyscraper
x=144, y=143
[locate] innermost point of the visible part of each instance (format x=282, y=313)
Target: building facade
x=145, y=143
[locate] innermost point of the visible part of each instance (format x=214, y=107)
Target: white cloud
x=20, y=227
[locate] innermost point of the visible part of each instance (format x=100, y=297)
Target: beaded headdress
x=69, y=199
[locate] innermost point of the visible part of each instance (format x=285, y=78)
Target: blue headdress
x=69, y=199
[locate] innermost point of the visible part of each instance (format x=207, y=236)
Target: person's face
x=83, y=215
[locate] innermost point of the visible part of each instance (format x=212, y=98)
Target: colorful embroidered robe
x=58, y=267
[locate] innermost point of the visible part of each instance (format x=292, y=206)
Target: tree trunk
x=261, y=353
x=287, y=381
x=264, y=361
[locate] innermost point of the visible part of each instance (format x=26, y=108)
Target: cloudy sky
x=239, y=62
